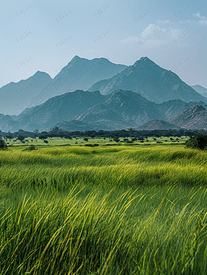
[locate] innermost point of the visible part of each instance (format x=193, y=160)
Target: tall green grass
x=122, y=166
x=105, y=210
x=148, y=231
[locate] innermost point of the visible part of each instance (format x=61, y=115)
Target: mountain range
x=129, y=96
x=193, y=118
x=151, y=81
x=127, y=109
x=83, y=110
x=79, y=74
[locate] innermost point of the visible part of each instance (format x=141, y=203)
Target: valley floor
x=116, y=208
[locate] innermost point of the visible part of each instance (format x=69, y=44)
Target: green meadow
x=117, y=208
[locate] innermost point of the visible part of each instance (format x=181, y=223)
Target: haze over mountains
x=151, y=81
x=127, y=109
x=125, y=97
x=82, y=110
x=201, y=90
x=79, y=74
x=15, y=97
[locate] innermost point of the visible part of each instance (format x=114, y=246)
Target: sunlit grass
x=103, y=210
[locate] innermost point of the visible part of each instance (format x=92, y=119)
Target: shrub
x=20, y=137
x=116, y=139
x=198, y=141
x=90, y=145
x=30, y=148
x=3, y=144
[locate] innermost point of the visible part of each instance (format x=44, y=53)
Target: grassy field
x=80, y=141
x=116, y=208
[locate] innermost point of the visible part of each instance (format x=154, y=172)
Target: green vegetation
x=198, y=141
x=126, y=208
x=2, y=144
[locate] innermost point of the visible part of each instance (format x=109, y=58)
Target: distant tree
x=20, y=137
x=116, y=139
x=88, y=144
x=86, y=139
x=43, y=135
x=9, y=135
x=198, y=141
x=3, y=144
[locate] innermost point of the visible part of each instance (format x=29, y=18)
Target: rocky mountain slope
x=150, y=81
x=193, y=118
x=91, y=110
x=125, y=109
x=79, y=74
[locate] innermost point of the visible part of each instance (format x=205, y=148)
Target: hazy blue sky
x=46, y=34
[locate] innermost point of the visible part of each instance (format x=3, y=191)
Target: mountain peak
x=145, y=60
x=39, y=76
x=76, y=57
x=39, y=73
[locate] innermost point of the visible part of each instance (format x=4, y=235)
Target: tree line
x=139, y=134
